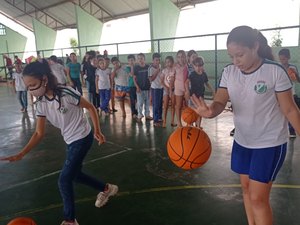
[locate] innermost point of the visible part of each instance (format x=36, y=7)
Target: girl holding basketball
x=63, y=107
x=261, y=95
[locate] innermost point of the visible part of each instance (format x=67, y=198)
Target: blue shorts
x=261, y=164
x=121, y=91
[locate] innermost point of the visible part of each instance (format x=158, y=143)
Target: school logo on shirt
x=63, y=110
x=260, y=87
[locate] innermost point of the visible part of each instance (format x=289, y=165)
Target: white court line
x=56, y=172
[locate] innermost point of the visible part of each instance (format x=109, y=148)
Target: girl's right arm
x=209, y=111
x=34, y=140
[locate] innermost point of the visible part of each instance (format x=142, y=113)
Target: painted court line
x=57, y=172
x=149, y=190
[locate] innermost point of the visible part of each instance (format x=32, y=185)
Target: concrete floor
x=152, y=190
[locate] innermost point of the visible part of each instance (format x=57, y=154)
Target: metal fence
x=212, y=47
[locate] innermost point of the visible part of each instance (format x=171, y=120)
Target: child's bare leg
x=166, y=106
x=178, y=107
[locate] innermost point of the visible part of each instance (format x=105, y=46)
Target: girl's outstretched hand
x=99, y=137
x=13, y=158
x=201, y=107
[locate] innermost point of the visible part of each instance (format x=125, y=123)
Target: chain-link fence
x=212, y=47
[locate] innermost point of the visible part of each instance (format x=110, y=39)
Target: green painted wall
x=164, y=17
x=89, y=28
x=45, y=37
x=12, y=42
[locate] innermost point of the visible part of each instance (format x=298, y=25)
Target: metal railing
x=212, y=47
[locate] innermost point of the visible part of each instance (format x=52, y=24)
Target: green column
x=12, y=42
x=89, y=29
x=45, y=37
x=163, y=23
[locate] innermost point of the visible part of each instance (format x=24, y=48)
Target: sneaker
x=102, y=197
x=149, y=118
x=292, y=134
x=156, y=124
x=70, y=223
x=139, y=120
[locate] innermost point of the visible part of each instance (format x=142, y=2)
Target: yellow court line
x=149, y=190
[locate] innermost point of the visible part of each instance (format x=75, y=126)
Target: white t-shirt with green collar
x=258, y=119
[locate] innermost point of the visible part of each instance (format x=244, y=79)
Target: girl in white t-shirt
x=63, y=107
x=261, y=95
x=103, y=86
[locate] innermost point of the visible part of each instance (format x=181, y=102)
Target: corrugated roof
x=60, y=14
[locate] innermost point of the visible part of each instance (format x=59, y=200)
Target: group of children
x=168, y=84
x=143, y=83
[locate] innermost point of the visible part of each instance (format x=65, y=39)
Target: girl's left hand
x=99, y=137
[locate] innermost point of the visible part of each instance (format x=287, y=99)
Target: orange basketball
x=189, y=115
x=189, y=147
x=22, y=221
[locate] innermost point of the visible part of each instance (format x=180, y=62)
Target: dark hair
x=40, y=69
x=141, y=55
x=198, y=61
x=60, y=61
x=92, y=53
x=191, y=52
x=131, y=56
x=248, y=37
x=180, y=52
x=53, y=58
x=155, y=55
x=285, y=52
x=114, y=59
x=73, y=53
x=100, y=57
x=169, y=57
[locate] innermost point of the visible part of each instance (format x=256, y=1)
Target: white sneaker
x=70, y=223
x=102, y=197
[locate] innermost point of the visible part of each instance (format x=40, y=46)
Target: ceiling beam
x=16, y=21
x=102, y=8
x=182, y=4
x=96, y=5
x=36, y=15
x=45, y=8
x=106, y=19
